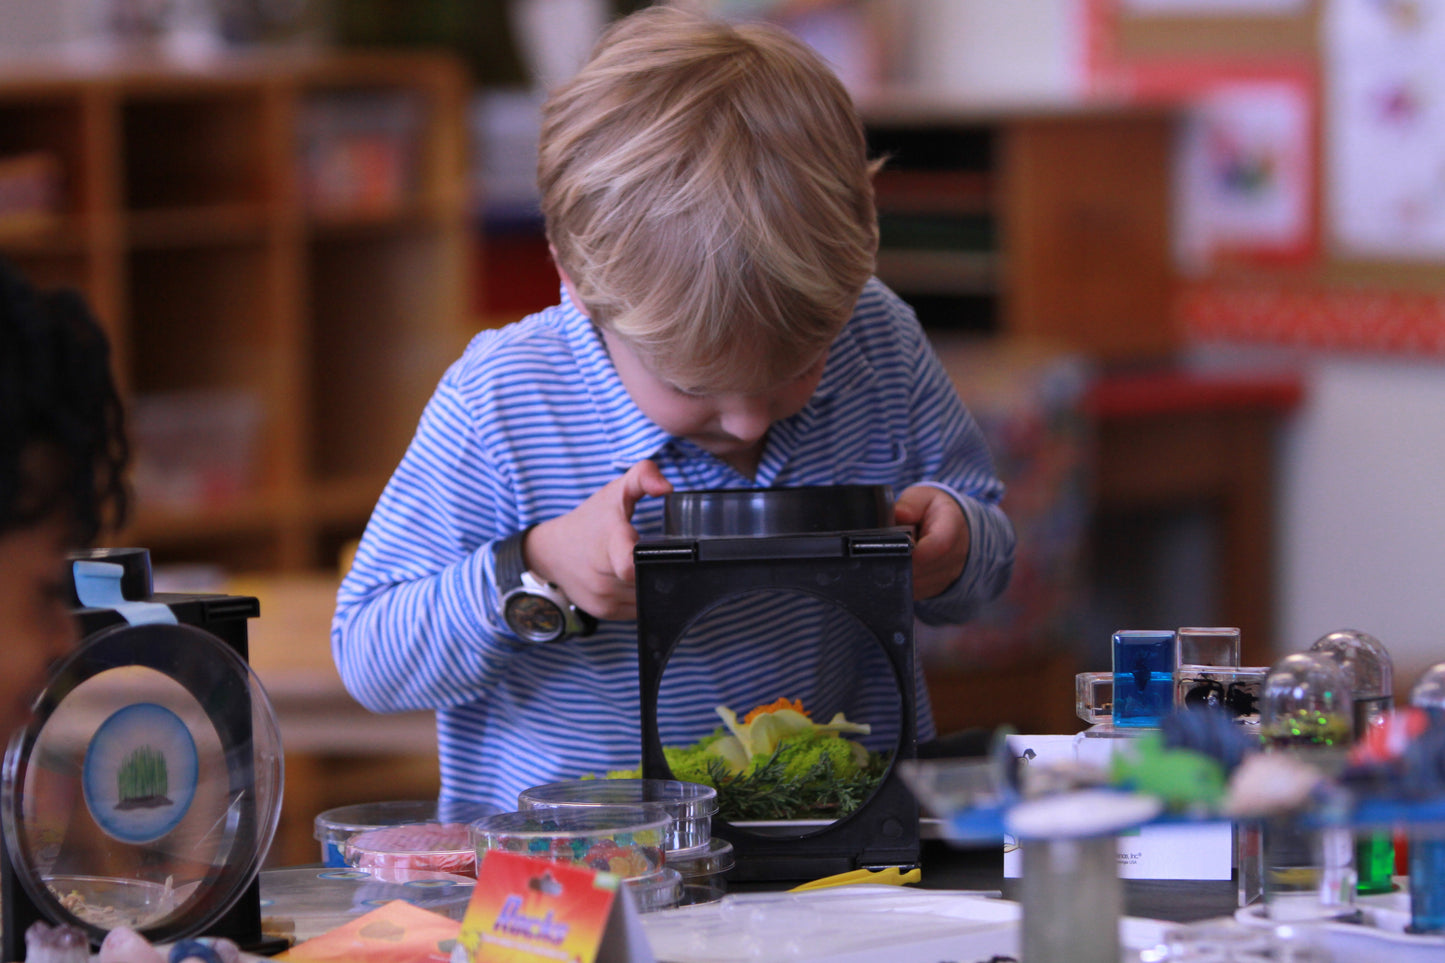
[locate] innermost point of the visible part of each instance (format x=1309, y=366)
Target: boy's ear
x=567, y=284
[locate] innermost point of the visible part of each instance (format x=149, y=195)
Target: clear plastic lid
x=624, y=840
x=146, y=791
x=340, y=824
x=691, y=805
x=681, y=800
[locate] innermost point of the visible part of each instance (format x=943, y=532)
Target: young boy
x=708, y=197
x=62, y=463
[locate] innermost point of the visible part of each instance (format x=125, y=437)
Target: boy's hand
x=588, y=551
x=941, y=537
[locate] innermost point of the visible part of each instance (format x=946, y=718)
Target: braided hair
x=63, y=448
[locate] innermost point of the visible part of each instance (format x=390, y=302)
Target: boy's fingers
x=642, y=479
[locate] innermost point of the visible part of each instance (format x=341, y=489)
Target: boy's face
x=36, y=626
x=731, y=426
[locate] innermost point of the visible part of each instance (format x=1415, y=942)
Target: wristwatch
x=534, y=608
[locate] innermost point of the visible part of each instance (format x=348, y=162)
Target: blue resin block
x=1427, y=885
x=1144, y=663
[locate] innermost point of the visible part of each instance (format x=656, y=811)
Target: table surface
x=949, y=867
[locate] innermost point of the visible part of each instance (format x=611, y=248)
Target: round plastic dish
x=703, y=871
x=691, y=805
x=625, y=840
x=655, y=891
x=299, y=903
x=335, y=826
x=152, y=774
x=732, y=512
x=390, y=852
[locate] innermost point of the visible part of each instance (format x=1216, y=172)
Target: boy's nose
x=747, y=420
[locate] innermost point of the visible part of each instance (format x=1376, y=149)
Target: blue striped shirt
x=532, y=420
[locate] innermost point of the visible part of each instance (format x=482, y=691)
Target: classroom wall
x=1361, y=521
x=1363, y=510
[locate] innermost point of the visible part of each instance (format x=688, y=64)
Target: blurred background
x=1184, y=259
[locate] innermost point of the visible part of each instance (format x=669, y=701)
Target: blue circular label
x=140, y=773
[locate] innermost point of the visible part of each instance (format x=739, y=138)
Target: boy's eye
x=688, y=392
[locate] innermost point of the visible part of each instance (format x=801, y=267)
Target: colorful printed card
x=396, y=932
x=528, y=910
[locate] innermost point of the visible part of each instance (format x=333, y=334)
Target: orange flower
x=782, y=703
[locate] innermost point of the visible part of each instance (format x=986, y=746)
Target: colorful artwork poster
x=526, y=910
x=1246, y=170
x=1386, y=127
x=1245, y=173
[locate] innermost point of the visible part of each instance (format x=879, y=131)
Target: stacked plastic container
x=576, y=820
x=400, y=836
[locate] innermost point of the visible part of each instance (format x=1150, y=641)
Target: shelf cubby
x=274, y=355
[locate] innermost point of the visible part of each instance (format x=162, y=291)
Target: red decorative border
x=1336, y=317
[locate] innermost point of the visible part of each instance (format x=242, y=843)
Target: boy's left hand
x=940, y=541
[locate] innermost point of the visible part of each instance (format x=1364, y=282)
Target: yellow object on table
x=887, y=875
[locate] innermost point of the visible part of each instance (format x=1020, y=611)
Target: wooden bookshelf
x=1043, y=221
x=277, y=245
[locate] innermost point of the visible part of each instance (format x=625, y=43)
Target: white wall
x=28, y=24
x=1362, y=504
x=1362, y=509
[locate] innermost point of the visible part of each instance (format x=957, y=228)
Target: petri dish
x=626, y=841
x=691, y=805
x=147, y=788
x=392, y=850
x=704, y=871
x=655, y=891
x=334, y=827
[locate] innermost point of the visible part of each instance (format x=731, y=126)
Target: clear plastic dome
x=147, y=790
x=1369, y=669
x=1307, y=702
x=1365, y=658
x=1429, y=690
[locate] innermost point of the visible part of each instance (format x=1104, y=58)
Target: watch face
x=535, y=618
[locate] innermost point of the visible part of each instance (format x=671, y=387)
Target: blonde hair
x=707, y=190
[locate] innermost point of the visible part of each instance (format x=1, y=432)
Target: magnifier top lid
x=147, y=789
x=737, y=512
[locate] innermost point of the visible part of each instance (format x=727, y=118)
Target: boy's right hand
x=588, y=551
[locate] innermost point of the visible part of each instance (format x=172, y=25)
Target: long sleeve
x=964, y=467
x=416, y=623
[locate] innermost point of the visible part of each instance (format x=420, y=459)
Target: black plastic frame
x=222, y=616
x=865, y=573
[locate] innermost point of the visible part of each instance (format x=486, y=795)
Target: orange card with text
x=528, y=910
